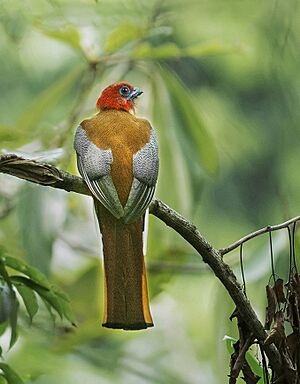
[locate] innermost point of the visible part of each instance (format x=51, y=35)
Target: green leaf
x=10, y=375
x=50, y=97
x=13, y=319
x=64, y=301
x=229, y=341
x=29, y=299
x=2, y=379
x=122, y=35
x=52, y=299
x=60, y=301
x=200, y=143
x=9, y=305
x=49, y=309
x=3, y=327
x=255, y=365
x=33, y=273
x=5, y=303
x=3, y=271
x=67, y=312
x=46, y=294
x=67, y=34
x=59, y=304
x=59, y=292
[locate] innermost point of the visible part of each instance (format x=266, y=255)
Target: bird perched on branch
x=117, y=156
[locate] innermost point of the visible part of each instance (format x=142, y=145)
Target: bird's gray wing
x=94, y=166
x=145, y=172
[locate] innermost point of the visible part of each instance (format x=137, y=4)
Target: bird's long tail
x=125, y=293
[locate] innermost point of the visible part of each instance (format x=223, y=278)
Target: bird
x=117, y=157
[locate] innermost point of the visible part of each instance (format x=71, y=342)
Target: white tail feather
x=145, y=232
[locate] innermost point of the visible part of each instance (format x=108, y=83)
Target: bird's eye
x=124, y=91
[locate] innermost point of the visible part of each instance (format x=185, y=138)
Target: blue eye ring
x=125, y=91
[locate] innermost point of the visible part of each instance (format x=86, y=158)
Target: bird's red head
x=118, y=96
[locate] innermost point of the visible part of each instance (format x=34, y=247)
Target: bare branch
x=269, y=228
x=48, y=175
x=41, y=173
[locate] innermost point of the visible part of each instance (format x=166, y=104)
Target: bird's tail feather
x=125, y=293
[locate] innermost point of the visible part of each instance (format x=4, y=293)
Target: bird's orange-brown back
x=125, y=135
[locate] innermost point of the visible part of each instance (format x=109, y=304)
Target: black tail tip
x=128, y=327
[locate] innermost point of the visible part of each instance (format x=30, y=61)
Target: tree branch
x=268, y=228
x=46, y=174
x=41, y=173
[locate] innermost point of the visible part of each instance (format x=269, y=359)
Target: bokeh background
x=222, y=89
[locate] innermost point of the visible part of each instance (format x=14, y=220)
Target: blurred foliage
x=221, y=88
x=28, y=283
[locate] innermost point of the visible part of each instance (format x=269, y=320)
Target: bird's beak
x=135, y=93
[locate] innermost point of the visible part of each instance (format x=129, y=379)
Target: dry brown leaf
x=279, y=291
x=271, y=306
x=296, y=283
x=293, y=309
x=293, y=343
x=277, y=334
x=279, y=323
x=290, y=372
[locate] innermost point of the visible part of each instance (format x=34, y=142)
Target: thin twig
x=293, y=246
x=46, y=174
x=272, y=257
x=269, y=228
x=240, y=361
x=242, y=270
